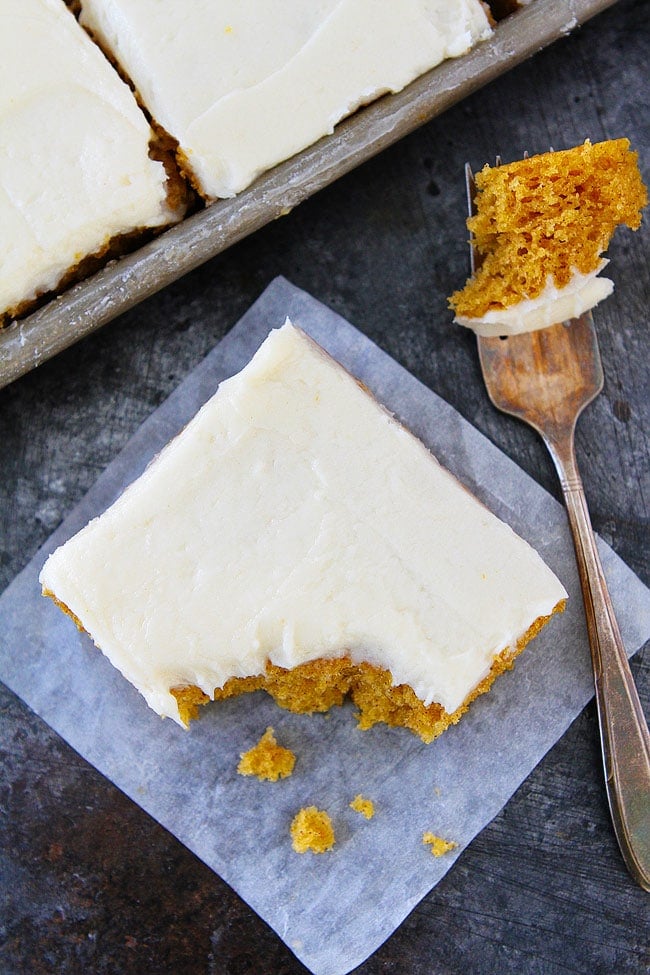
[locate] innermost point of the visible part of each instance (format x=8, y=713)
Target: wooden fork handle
x=623, y=729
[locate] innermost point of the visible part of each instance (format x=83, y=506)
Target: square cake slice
x=244, y=85
x=295, y=537
x=75, y=169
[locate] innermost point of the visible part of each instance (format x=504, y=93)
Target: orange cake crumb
x=438, y=845
x=364, y=806
x=544, y=217
x=312, y=829
x=189, y=699
x=267, y=760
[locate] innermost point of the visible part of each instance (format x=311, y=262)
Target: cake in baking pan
x=295, y=538
x=76, y=174
x=220, y=92
x=541, y=227
x=244, y=85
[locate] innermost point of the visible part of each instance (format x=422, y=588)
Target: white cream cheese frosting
x=295, y=519
x=244, y=85
x=74, y=151
x=552, y=306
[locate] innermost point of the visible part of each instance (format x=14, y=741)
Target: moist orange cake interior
x=321, y=684
x=545, y=217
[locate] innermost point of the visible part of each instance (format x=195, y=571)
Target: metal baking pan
x=123, y=283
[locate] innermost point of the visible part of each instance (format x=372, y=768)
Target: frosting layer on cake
x=551, y=306
x=294, y=520
x=74, y=168
x=243, y=85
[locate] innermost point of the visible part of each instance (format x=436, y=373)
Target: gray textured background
x=97, y=887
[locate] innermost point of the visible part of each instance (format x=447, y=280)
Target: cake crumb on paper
x=364, y=806
x=312, y=829
x=439, y=846
x=267, y=760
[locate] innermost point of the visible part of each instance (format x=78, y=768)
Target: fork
x=546, y=378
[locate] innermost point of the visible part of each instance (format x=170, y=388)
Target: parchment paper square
x=335, y=909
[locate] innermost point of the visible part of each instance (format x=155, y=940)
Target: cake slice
x=541, y=227
x=243, y=85
x=296, y=538
x=75, y=169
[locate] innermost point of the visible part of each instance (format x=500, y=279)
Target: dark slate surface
x=88, y=882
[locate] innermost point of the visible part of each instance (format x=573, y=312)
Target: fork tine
x=470, y=187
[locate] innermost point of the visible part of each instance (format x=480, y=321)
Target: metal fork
x=546, y=378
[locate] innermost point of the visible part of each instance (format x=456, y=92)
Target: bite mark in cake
x=540, y=229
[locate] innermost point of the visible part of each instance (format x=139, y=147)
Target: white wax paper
x=334, y=909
